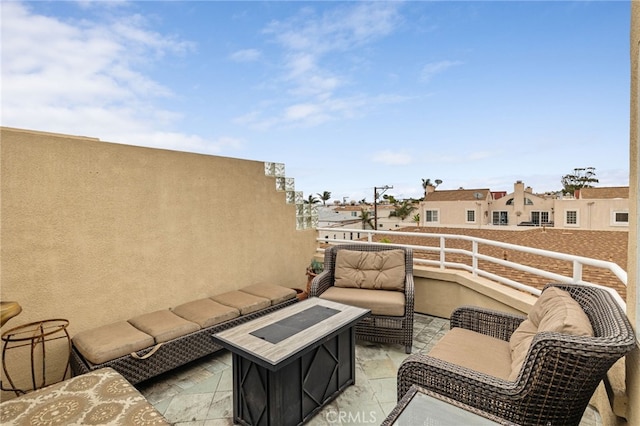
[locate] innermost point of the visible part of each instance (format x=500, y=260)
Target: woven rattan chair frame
x=171, y=354
x=374, y=328
x=560, y=372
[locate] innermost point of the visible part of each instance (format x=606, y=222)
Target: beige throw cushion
x=206, y=312
x=163, y=325
x=379, y=270
x=555, y=311
x=111, y=341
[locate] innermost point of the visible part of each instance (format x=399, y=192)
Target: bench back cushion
x=375, y=270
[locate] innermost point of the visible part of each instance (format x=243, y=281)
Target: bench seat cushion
x=275, y=293
x=206, y=312
x=163, y=325
x=111, y=341
x=380, y=302
x=475, y=351
x=244, y=302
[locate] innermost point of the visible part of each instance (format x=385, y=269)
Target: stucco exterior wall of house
x=99, y=232
x=455, y=213
x=591, y=214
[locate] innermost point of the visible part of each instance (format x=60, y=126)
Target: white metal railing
x=356, y=235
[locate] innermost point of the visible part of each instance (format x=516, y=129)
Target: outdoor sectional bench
x=151, y=344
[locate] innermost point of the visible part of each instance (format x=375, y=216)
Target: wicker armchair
x=374, y=328
x=560, y=372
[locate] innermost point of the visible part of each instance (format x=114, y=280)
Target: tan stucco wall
x=633, y=360
x=438, y=292
x=592, y=214
x=99, y=232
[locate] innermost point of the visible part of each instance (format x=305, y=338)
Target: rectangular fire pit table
x=288, y=364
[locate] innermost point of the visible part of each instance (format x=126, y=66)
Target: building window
x=500, y=218
x=620, y=218
x=539, y=218
x=471, y=216
x=431, y=216
x=571, y=217
x=354, y=214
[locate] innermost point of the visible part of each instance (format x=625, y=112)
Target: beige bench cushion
x=111, y=341
x=555, y=311
x=163, y=325
x=380, y=302
x=244, y=302
x=474, y=351
x=206, y=312
x=275, y=293
x=381, y=270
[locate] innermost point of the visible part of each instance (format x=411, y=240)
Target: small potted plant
x=314, y=268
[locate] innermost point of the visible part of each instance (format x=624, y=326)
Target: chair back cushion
x=376, y=270
x=555, y=311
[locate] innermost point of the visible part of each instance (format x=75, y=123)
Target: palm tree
x=325, y=196
x=366, y=218
x=416, y=218
x=403, y=209
x=312, y=200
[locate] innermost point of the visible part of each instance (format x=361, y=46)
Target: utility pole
x=375, y=201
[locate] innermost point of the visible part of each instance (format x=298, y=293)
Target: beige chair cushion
x=380, y=302
x=206, y=312
x=380, y=270
x=474, y=351
x=555, y=311
x=244, y=302
x=519, y=343
x=111, y=341
x=163, y=325
x=275, y=293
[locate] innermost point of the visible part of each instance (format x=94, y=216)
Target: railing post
x=369, y=237
x=442, y=258
x=577, y=271
x=474, y=258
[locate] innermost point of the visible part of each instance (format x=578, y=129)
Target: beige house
x=591, y=208
x=457, y=208
x=595, y=208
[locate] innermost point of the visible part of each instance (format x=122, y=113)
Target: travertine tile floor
x=200, y=394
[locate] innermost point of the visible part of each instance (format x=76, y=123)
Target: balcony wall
x=98, y=232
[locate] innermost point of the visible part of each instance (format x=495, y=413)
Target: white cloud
x=391, y=158
x=307, y=40
x=434, y=68
x=246, y=55
x=85, y=78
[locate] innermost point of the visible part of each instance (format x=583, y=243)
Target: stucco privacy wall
x=633, y=298
x=99, y=232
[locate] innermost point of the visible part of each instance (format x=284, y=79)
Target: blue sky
x=348, y=95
